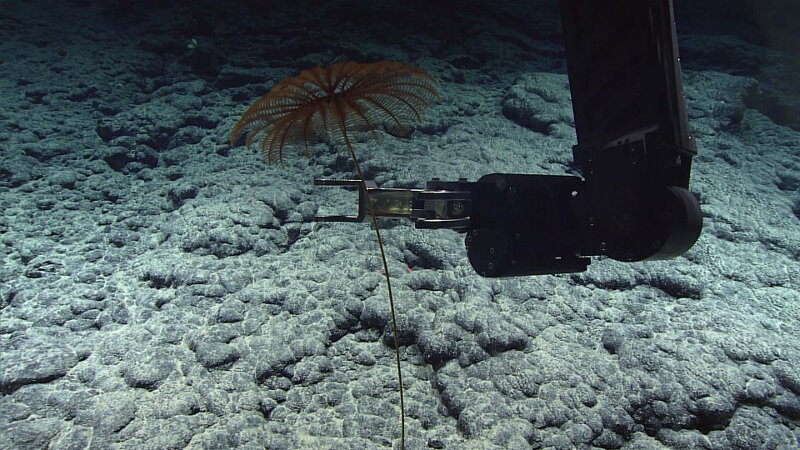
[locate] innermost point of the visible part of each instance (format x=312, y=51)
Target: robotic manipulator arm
x=634, y=151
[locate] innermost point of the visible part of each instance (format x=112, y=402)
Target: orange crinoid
x=328, y=104
x=325, y=104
